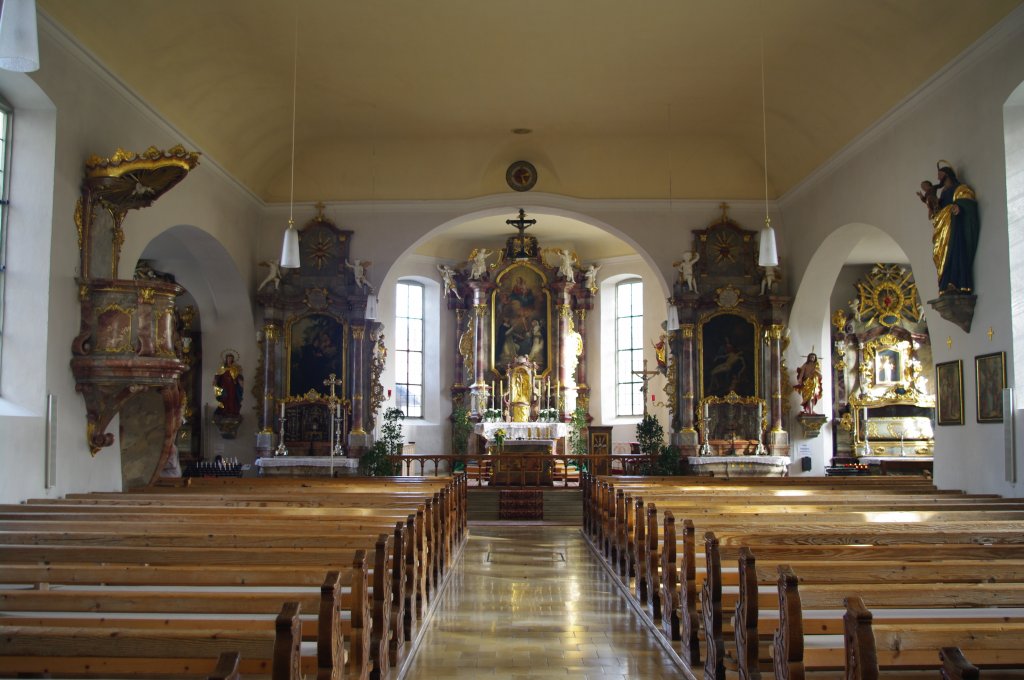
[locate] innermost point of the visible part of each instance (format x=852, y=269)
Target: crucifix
x=645, y=376
x=522, y=224
x=334, y=405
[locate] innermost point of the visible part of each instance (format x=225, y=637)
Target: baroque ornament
x=888, y=296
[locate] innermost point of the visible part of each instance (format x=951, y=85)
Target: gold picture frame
x=949, y=386
x=522, y=319
x=989, y=381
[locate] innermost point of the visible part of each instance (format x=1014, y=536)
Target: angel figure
x=770, y=280
x=273, y=276
x=855, y=308
x=685, y=267
x=478, y=262
x=590, y=277
x=359, y=270
x=448, y=275
x=565, y=258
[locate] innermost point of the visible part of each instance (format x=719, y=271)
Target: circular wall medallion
x=521, y=176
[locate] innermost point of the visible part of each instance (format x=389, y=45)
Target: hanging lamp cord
x=295, y=89
x=764, y=132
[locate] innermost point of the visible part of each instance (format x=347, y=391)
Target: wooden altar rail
x=224, y=534
x=965, y=552
x=423, y=464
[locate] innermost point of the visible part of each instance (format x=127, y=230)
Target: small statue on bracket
x=273, y=276
x=448, y=276
x=809, y=380
x=685, y=267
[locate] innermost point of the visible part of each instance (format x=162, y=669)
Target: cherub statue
x=685, y=267
x=360, y=270
x=808, y=377
x=770, y=280
x=478, y=261
x=273, y=276
x=590, y=277
x=565, y=270
x=448, y=275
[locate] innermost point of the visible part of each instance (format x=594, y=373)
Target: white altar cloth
x=515, y=431
x=307, y=461
x=754, y=460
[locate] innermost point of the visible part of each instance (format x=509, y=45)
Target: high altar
x=726, y=385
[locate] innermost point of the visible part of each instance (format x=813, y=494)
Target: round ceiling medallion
x=521, y=176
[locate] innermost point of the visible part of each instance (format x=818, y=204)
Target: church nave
x=534, y=602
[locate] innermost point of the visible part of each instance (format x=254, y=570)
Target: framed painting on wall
x=315, y=347
x=990, y=379
x=521, y=319
x=950, y=387
x=728, y=356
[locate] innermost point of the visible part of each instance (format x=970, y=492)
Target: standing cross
x=332, y=382
x=335, y=407
x=645, y=376
x=522, y=224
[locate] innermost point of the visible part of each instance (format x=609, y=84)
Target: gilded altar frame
x=339, y=366
x=713, y=338
x=708, y=405
x=507, y=302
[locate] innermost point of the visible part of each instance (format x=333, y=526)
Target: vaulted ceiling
x=412, y=99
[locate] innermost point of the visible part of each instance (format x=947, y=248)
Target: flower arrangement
x=499, y=438
x=492, y=415
x=548, y=415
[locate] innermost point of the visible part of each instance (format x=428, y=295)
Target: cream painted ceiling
x=413, y=99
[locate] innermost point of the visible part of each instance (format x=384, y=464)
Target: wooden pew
x=870, y=649
x=96, y=652
x=342, y=604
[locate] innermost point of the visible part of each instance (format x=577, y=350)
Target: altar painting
x=521, y=319
x=315, y=349
x=728, y=349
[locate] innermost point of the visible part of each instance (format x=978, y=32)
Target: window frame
x=6, y=126
x=635, y=348
x=410, y=354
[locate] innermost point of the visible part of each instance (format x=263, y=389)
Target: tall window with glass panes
x=629, y=347
x=409, y=348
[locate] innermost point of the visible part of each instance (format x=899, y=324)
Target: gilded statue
x=808, y=383
x=955, y=229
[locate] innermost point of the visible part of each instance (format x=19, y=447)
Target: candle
x=549, y=391
x=282, y=409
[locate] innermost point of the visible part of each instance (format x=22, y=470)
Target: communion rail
x=522, y=469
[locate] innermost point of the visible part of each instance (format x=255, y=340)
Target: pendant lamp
x=19, y=40
x=371, y=307
x=290, y=247
x=672, y=324
x=768, y=254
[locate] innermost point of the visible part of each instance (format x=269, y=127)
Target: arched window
x=409, y=348
x=629, y=347
x=5, y=161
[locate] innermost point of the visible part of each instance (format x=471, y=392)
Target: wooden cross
x=522, y=224
x=320, y=211
x=645, y=376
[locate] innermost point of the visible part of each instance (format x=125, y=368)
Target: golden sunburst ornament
x=724, y=248
x=888, y=296
x=320, y=251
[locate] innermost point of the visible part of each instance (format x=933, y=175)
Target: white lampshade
x=19, y=40
x=769, y=254
x=290, y=248
x=672, y=324
x=371, y=307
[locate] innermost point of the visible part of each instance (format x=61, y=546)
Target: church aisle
x=534, y=602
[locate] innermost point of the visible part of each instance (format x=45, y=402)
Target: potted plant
x=376, y=462
x=577, y=441
x=462, y=428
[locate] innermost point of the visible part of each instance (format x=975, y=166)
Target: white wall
x=91, y=114
x=957, y=117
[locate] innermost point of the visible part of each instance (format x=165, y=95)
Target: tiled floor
x=533, y=602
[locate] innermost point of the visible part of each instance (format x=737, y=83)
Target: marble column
x=479, y=390
x=684, y=343
x=778, y=438
x=582, y=388
x=358, y=436
x=271, y=338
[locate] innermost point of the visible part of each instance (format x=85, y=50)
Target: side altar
x=724, y=360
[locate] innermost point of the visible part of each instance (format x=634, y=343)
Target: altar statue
x=360, y=270
x=520, y=389
x=448, y=275
x=565, y=269
x=808, y=383
x=228, y=387
x=685, y=267
x=590, y=277
x=478, y=260
x=955, y=229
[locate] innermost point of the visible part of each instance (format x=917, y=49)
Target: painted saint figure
x=955, y=230
x=228, y=387
x=808, y=383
